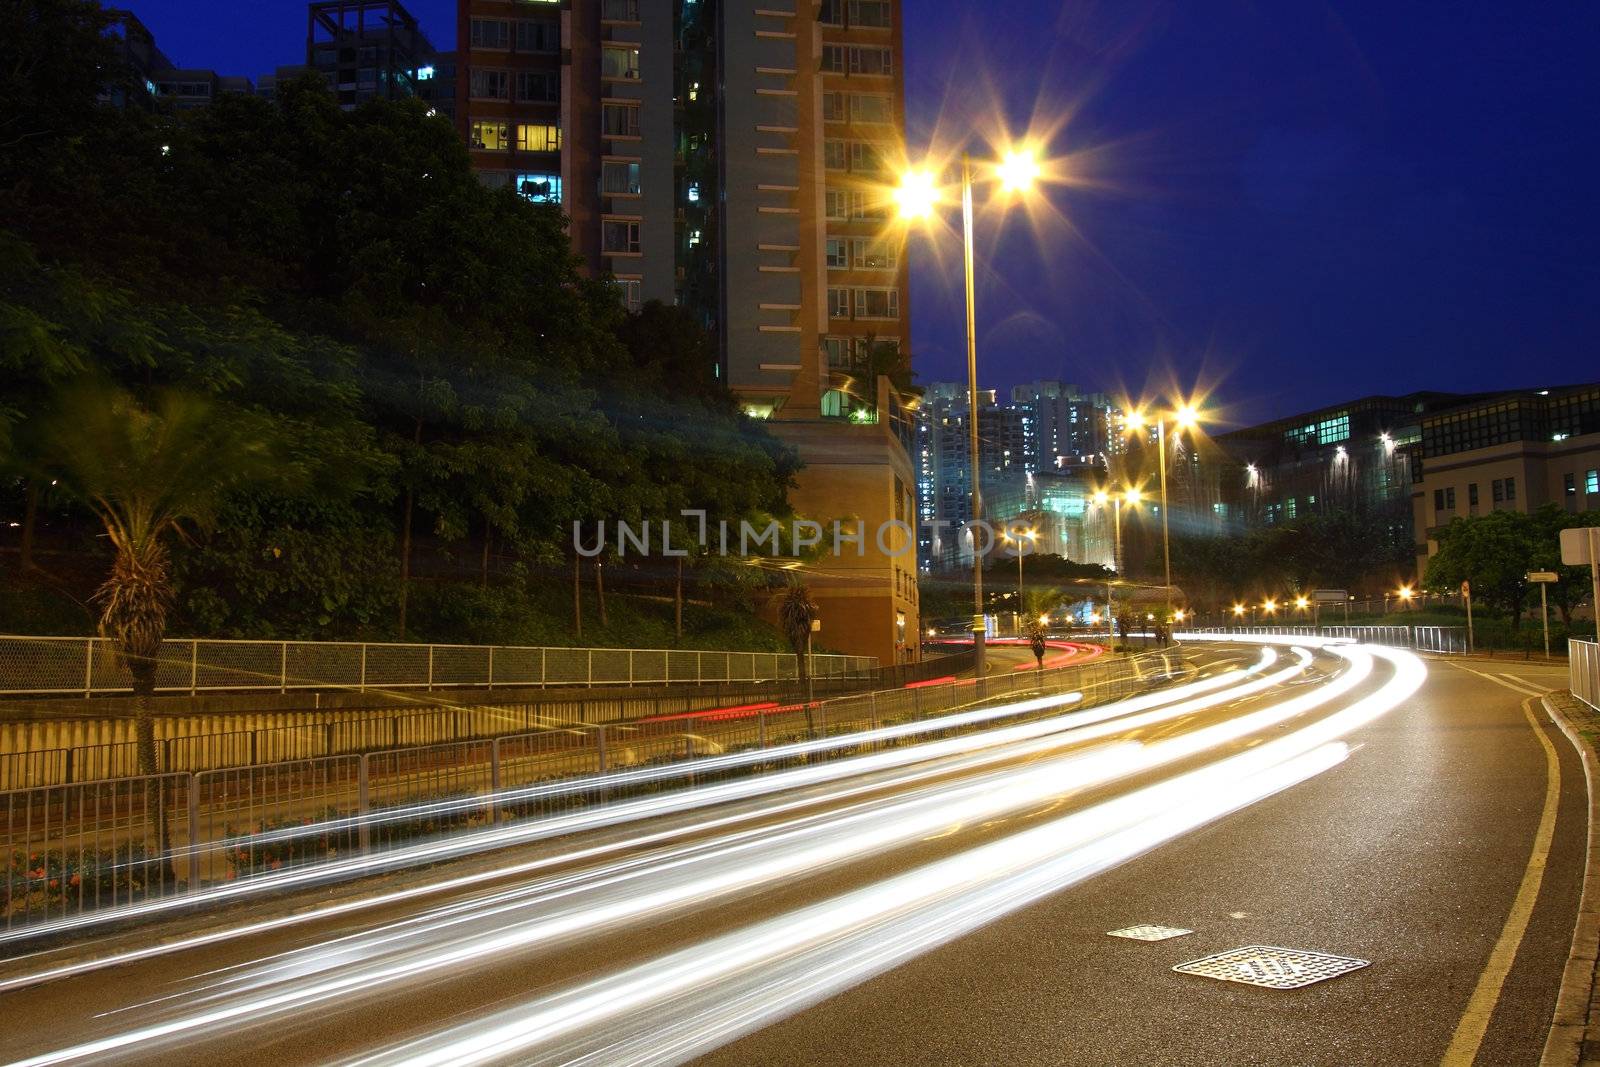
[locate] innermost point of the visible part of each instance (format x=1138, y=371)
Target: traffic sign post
x=1579, y=546
x=1466, y=595
x=1543, y=579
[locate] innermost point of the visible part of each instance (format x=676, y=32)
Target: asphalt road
x=948, y=910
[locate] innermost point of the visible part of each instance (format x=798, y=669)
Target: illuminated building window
x=540, y=188
x=491, y=136
x=538, y=137
x=619, y=177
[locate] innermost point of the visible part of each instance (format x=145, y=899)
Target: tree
x=796, y=612
x=148, y=473
x=1493, y=552
x=1574, y=584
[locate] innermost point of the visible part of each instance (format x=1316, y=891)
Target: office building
x=367, y=49
x=1508, y=451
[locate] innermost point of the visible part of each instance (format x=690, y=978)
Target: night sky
x=1288, y=204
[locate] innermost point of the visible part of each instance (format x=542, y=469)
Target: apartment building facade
x=736, y=157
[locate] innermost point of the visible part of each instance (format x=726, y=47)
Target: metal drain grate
x=1149, y=932
x=1272, y=967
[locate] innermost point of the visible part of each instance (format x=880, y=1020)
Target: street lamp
x=1405, y=593
x=1029, y=535
x=1184, y=417
x=917, y=197
x=1132, y=496
x=1270, y=606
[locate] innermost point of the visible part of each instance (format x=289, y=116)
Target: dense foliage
x=1496, y=551
x=449, y=392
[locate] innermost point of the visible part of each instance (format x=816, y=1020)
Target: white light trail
x=474, y=842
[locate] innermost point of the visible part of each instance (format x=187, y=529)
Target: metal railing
x=1583, y=670
x=85, y=666
x=1441, y=639
x=72, y=848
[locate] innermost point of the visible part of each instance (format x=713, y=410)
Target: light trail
x=439, y=946
x=959, y=754
x=464, y=844
x=734, y=984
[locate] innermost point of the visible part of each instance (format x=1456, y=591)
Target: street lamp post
x=917, y=196
x=1184, y=417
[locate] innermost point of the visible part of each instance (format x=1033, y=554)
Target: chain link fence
x=86, y=666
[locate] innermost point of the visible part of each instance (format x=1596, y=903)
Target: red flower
x=74, y=881
x=55, y=883
x=275, y=864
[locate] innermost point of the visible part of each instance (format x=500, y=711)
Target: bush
x=61, y=881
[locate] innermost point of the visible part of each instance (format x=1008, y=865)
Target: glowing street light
x=1270, y=606
x=1184, y=417
x=1301, y=603
x=1019, y=170
x=1238, y=610
x=917, y=197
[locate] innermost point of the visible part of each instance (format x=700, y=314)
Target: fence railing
x=73, y=848
x=1583, y=670
x=1442, y=639
x=85, y=666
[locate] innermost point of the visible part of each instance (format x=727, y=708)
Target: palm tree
x=148, y=473
x=796, y=612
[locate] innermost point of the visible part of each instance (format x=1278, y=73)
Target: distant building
x=161, y=80
x=367, y=49
x=1512, y=451
x=1047, y=428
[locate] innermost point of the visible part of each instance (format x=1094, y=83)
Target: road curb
x=1575, y=1002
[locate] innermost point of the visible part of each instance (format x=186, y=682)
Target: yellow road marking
x=1480, y=1008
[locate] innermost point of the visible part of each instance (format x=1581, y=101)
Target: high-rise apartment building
x=735, y=157
x=1062, y=425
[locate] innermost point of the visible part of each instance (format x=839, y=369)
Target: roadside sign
x=1542, y=577
x=1466, y=588
x=1330, y=596
x=1575, y=545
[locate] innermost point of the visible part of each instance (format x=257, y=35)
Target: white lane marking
x=1513, y=684
x=1527, y=682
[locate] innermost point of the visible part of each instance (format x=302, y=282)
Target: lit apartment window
x=836, y=205
x=540, y=188
x=871, y=108
x=833, y=107
x=838, y=303
x=877, y=303
x=837, y=253
x=619, y=119
x=1569, y=482
x=619, y=237
x=538, y=85
x=491, y=136
x=619, y=61
x=869, y=14
x=865, y=158
x=835, y=155
x=865, y=60
x=490, y=84
x=538, y=137
x=538, y=36
x=1591, y=482
x=628, y=290
x=619, y=10
x=873, y=255
x=619, y=177
x=833, y=404
x=491, y=33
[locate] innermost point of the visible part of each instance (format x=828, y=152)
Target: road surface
x=949, y=908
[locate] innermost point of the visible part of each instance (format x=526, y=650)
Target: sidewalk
x=1575, y=1030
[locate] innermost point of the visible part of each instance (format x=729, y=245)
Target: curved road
x=946, y=904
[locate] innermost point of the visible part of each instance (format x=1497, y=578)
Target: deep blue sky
x=1290, y=202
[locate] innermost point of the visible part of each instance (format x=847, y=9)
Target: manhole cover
x=1149, y=932
x=1271, y=967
